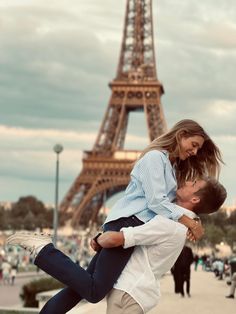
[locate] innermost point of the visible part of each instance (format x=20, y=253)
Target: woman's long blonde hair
x=206, y=162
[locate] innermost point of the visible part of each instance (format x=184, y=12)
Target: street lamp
x=57, y=149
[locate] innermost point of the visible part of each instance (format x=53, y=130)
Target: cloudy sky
x=56, y=59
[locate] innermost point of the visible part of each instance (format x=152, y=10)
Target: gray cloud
x=56, y=62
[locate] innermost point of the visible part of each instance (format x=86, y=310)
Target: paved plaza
x=9, y=295
x=208, y=297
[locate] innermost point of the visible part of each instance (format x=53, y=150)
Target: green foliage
x=28, y=213
x=2, y=218
x=232, y=219
x=219, y=227
x=219, y=218
x=29, y=290
x=214, y=234
x=231, y=237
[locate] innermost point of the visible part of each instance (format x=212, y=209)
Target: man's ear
x=195, y=199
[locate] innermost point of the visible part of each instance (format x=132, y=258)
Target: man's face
x=187, y=192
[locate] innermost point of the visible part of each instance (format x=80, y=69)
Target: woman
x=185, y=152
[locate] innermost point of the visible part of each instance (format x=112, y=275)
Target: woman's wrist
x=188, y=222
x=96, y=237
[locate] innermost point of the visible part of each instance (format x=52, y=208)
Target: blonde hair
x=206, y=162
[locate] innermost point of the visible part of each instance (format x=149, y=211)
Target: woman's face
x=189, y=146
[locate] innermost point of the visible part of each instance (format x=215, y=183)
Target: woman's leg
x=67, y=298
x=109, y=265
x=92, y=287
x=62, y=302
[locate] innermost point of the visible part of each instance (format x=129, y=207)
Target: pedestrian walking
x=182, y=270
x=196, y=260
x=232, y=263
x=13, y=275
x=6, y=268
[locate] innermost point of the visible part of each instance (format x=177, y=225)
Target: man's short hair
x=212, y=196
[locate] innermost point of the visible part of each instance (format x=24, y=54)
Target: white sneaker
x=30, y=241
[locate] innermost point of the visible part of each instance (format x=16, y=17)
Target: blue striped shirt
x=151, y=191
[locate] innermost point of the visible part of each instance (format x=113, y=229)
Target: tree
x=220, y=218
x=2, y=218
x=29, y=213
x=26, y=204
x=213, y=235
x=232, y=218
x=231, y=237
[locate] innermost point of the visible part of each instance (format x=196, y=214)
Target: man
x=158, y=244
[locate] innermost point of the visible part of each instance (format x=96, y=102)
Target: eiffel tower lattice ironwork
x=106, y=168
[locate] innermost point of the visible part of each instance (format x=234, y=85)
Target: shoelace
x=31, y=250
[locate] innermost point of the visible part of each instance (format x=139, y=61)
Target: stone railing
x=18, y=310
x=42, y=298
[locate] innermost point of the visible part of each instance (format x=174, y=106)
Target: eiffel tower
x=106, y=168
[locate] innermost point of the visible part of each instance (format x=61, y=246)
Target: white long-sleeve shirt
x=158, y=244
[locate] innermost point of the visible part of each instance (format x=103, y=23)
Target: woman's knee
x=51, y=307
x=95, y=298
x=97, y=295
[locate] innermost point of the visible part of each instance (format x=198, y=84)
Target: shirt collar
x=189, y=213
x=165, y=152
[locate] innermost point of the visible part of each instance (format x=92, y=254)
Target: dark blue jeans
x=91, y=284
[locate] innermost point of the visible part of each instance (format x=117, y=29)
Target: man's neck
x=189, y=208
x=187, y=205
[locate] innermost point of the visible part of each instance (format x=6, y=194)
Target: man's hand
x=111, y=239
x=196, y=230
x=190, y=236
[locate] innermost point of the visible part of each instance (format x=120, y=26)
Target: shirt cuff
x=129, y=240
x=178, y=212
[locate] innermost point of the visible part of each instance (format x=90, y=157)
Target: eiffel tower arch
x=106, y=168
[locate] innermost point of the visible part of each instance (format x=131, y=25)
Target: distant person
x=13, y=275
x=196, y=261
x=182, y=270
x=218, y=268
x=204, y=259
x=1, y=261
x=6, y=268
x=0, y=274
x=232, y=263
